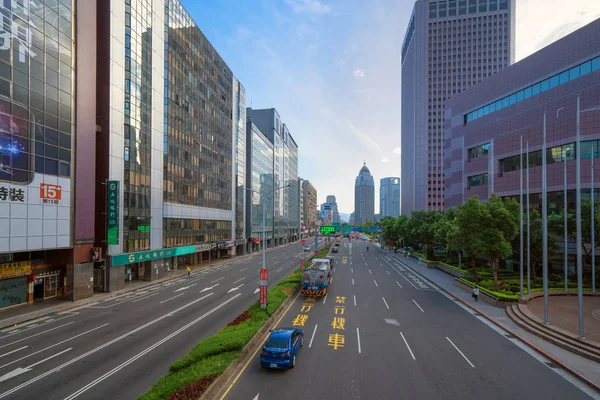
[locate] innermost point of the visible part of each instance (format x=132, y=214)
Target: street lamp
x=263, y=201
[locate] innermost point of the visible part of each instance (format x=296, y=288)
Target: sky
x=332, y=70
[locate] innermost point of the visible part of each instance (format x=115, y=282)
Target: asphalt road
x=400, y=338
x=118, y=348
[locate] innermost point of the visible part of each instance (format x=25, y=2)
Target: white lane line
x=149, y=349
x=407, y=346
x=370, y=272
x=19, y=371
x=239, y=280
x=416, y=304
x=381, y=264
x=14, y=351
x=388, y=272
x=171, y=298
x=375, y=283
x=461, y=353
x=218, y=279
x=256, y=290
x=399, y=285
x=145, y=297
x=331, y=280
x=352, y=281
x=47, y=321
x=49, y=358
x=94, y=350
x=185, y=287
x=358, y=337
x=406, y=279
x=279, y=269
x=37, y=334
x=54, y=345
x=352, y=270
x=243, y=269
x=354, y=300
x=313, y=336
x=325, y=299
x=386, y=304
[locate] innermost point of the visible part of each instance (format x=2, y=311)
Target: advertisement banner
x=263, y=295
x=112, y=236
x=35, y=131
x=264, y=274
x=15, y=269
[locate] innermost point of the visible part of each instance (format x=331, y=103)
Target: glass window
x=564, y=77
x=586, y=68
x=486, y=110
x=527, y=93
x=596, y=64
x=478, y=180
x=588, y=147
x=545, y=85
x=505, y=102
x=519, y=96
x=492, y=107
x=513, y=99
x=535, y=89
x=574, y=73
x=499, y=105
x=554, y=81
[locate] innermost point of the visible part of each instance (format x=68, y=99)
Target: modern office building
x=449, y=46
x=351, y=220
x=310, y=206
x=239, y=134
x=334, y=207
x=45, y=241
x=166, y=143
x=285, y=172
x=259, y=164
x=389, y=197
x=364, y=196
x=302, y=227
x=485, y=124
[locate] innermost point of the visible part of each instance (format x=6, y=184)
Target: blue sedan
x=281, y=348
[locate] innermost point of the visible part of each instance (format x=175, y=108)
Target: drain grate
x=508, y=335
x=551, y=364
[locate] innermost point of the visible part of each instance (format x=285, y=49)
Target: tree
x=401, y=230
x=422, y=226
x=444, y=226
x=466, y=234
x=501, y=225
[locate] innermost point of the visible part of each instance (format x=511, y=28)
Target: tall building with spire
x=364, y=196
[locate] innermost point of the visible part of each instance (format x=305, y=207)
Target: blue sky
x=332, y=70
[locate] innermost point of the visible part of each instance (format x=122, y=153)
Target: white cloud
x=384, y=159
x=308, y=6
x=359, y=73
x=363, y=137
x=397, y=150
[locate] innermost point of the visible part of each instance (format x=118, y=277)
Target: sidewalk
x=588, y=369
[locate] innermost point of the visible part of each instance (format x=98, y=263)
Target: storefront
x=47, y=285
x=224, y=248
x=14, y=283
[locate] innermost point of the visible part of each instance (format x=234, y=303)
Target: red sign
x=303, y=242
x=302, y=262
x=316, y=254
x=263, y=295
x=264, y=274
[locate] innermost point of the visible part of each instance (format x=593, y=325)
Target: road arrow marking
x=19, y=371
x=209, y=288
x=256, y=291
x=256, y=397
x=183, y=288
x=235, y=288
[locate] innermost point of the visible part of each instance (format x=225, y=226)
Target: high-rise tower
x=364, y=196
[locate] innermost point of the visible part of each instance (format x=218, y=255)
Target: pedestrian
x=476, y=293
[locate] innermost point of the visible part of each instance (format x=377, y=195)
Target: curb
x=526, y=342
x=236, y=368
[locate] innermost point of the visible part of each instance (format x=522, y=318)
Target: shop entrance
x=45, y=287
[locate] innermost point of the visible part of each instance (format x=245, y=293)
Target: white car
x=307, y=248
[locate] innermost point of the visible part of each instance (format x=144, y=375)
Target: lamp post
x=263, y=201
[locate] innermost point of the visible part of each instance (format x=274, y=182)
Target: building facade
x=310, y=206
x=165, y=158
x=259, y=164
x=364, y=196
x=302, y=228
x=449, y=46
x=239, y=133
x=485, y=124
x=389, y=197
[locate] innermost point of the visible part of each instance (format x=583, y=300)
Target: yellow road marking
x=257, y=349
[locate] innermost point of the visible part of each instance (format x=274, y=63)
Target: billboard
x=36, y=128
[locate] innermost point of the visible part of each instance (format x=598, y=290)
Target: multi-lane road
x=118, y=348
x=383, y=333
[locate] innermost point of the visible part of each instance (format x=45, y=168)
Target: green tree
x=444, y=226
x=422, y=225
x=401, y=230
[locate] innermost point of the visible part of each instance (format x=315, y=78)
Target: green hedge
x=502, y=296
x=214, y=354
x=464, y=271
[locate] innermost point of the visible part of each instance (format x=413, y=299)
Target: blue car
x=281, y=348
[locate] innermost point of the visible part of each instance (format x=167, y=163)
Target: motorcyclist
x=367, y=248
x=188, y=271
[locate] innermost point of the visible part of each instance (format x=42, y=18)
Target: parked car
x=307, y=248
x=281, y=348
x=335, y=249
x=337, y=244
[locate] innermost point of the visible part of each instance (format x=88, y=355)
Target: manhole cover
x=392, y=321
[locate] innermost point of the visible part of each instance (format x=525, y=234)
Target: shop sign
x=205, y=246
x=12, y=194
x=113, y=213
x=141, y=256
x=50, y=194
x=12, y=270
x=222, y=245
x=230, y=243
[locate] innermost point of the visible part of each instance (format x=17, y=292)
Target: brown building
x=310, y=206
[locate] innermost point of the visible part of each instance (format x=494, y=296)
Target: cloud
x=308, y=7
x=363, y=137
x=397, y=150
x=384, y=159
x=359, y=73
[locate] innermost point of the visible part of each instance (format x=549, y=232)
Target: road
x=118, y=348
x=383, y=333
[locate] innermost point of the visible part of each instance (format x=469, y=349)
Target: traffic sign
x=379, y=229
x=327, y=230
x=337, y=226
x=346, y=229
x=303, y=242
x=264, y=274
x=372, y=228
x=327, y=207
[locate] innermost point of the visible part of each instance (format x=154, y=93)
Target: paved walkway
x=587, y=368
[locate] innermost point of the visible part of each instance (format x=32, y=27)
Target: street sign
x=346, y=229
x=302, y=263
x=337, y=226
x=372, y=228
x=303, y=242
x=264, y=274
x=263, y=296
x=327, y=230
x=356, y=228
x=327, y=207
x=379, y=228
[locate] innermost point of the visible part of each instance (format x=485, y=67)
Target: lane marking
x=358, y=337
x=375, y=283
x=325, y=299
x=407, y=346
x=37, y=334
x=352, y=270
x=388, y=272
x=241, y=279
x=250, y=359
x=243, y=269
x=461, y=353
x=47, y=321
x=54, y=345
x=233, y=289
x=218, y=279
x=145, y=297
x=381, y=264
x=354, y=300
x=174, y=297
x=406, y=279
x=399, y=285
x=14, y=351
x=352, y=281
x=370, y=272
x=256, y=290
x=386, y=304
x=279, y=269
x=331, y=280
x=313, y=336
x=20, y=371
x=183, y=288
x=209, y=288
x=416, y=304
x=149, y=349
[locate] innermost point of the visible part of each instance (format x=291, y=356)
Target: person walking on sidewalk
x=188, y=271
x=476, y=294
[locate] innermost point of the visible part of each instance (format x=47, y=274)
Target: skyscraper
x=389, y=197
x=449, y=46
x=364, y=196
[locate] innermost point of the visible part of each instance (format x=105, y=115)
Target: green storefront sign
x=327, y=230
x=141, y=256
x=112, y=236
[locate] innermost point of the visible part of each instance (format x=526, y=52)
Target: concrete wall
x=81, y=285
